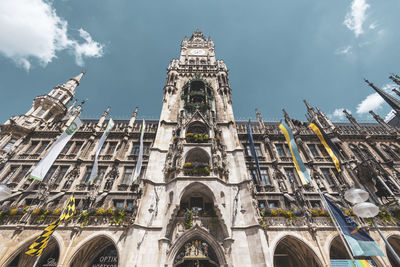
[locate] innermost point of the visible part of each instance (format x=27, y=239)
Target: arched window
x=365, y=152
x=197, y=132
x=197, y=163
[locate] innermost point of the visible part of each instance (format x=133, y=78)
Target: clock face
x=197, y=52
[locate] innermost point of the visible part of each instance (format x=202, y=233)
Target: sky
x=278, y=53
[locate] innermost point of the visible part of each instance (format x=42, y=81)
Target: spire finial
x=391, y=100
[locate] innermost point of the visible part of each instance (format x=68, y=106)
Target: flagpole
x=66, y=252
x=37, y=260
x=335, y=223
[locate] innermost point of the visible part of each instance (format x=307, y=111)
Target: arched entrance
x=99, y=251
x=394, y=241
x=196, y=253
x=338, y=251
x=291, y=252
x=49, y=257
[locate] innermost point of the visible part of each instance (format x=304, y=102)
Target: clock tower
x=197, y=203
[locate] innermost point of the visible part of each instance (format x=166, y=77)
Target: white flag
x=44, y=165
x=95, y=169
x=140, y=158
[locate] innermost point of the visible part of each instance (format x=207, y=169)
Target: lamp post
x=363, y=209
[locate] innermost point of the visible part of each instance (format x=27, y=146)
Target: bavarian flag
x=41, y=241
x=298, y=162
x=360, y=243
x=327, y=143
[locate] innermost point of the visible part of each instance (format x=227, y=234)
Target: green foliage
x=188, y=219
x=118, y=216
x=386, y=216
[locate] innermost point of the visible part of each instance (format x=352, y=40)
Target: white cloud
x=338, y=114
x=343, y=50
x=355, y=18
x=373, y=26
x=373, y=101
x=31, y=30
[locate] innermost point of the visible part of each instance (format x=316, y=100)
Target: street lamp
x=367, y=210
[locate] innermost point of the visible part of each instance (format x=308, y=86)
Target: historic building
x=199, y=200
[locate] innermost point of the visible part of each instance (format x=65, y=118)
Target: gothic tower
x=197, y=195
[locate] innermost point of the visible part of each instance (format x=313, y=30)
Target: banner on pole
x=44, y=165
x=140, y=157
x=349, y=263
x=360, y=242
x=95, y=169
x=298, y=162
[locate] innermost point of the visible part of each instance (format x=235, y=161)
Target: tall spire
x=352, y=120
x=395, y=78
x=133, y=118
x=382, y=122
x=396, y=91
x=260, y=119
x=73, y=82
x=391, y=100
x=102, y=118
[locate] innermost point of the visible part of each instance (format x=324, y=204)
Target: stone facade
x=199, y=200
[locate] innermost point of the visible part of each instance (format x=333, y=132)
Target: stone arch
x=196, y=232
x=337, y=251
x=292, y=251
x=196, y=189
x=51, y=254
x=197, y=154
x=394, y=241
x=92, y=248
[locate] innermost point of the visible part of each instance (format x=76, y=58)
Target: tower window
x=58, y=95
x=327, y=175
x=41, y=112
x=9, y=144
x=87, y=174
x=42, y=147
x=265, y=176
x=21, y=174
x=32, y=147
x=313, y=150
x=290, y=176
x=281, y=150
x=127, y=175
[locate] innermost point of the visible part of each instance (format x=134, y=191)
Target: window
x=327, y=175
x=315, y=204
x=290, y=176
x=127, y=175
x=102, y=172
x=265, y=176
x=61, y=174
x=58, y=95
x=119, y=204
x=50, y=174
x=41, y=112
x=32, y=147
x=257, y=149
x=42, y=147
x=9, y=145
x=261, y=204
x=355, y=152
x=66, y=148
x=281, y=150
x=76, y=148
x=323, y=150
x=135, y=149
x=11, y=173
x=21, y=174
x=87, y=174
x=129, y=203
x=273, y=204
x=103, y=148
x=313, y=150
x=111, y=148
x=146, y=149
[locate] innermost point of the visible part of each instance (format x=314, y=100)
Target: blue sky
x=278, y=52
